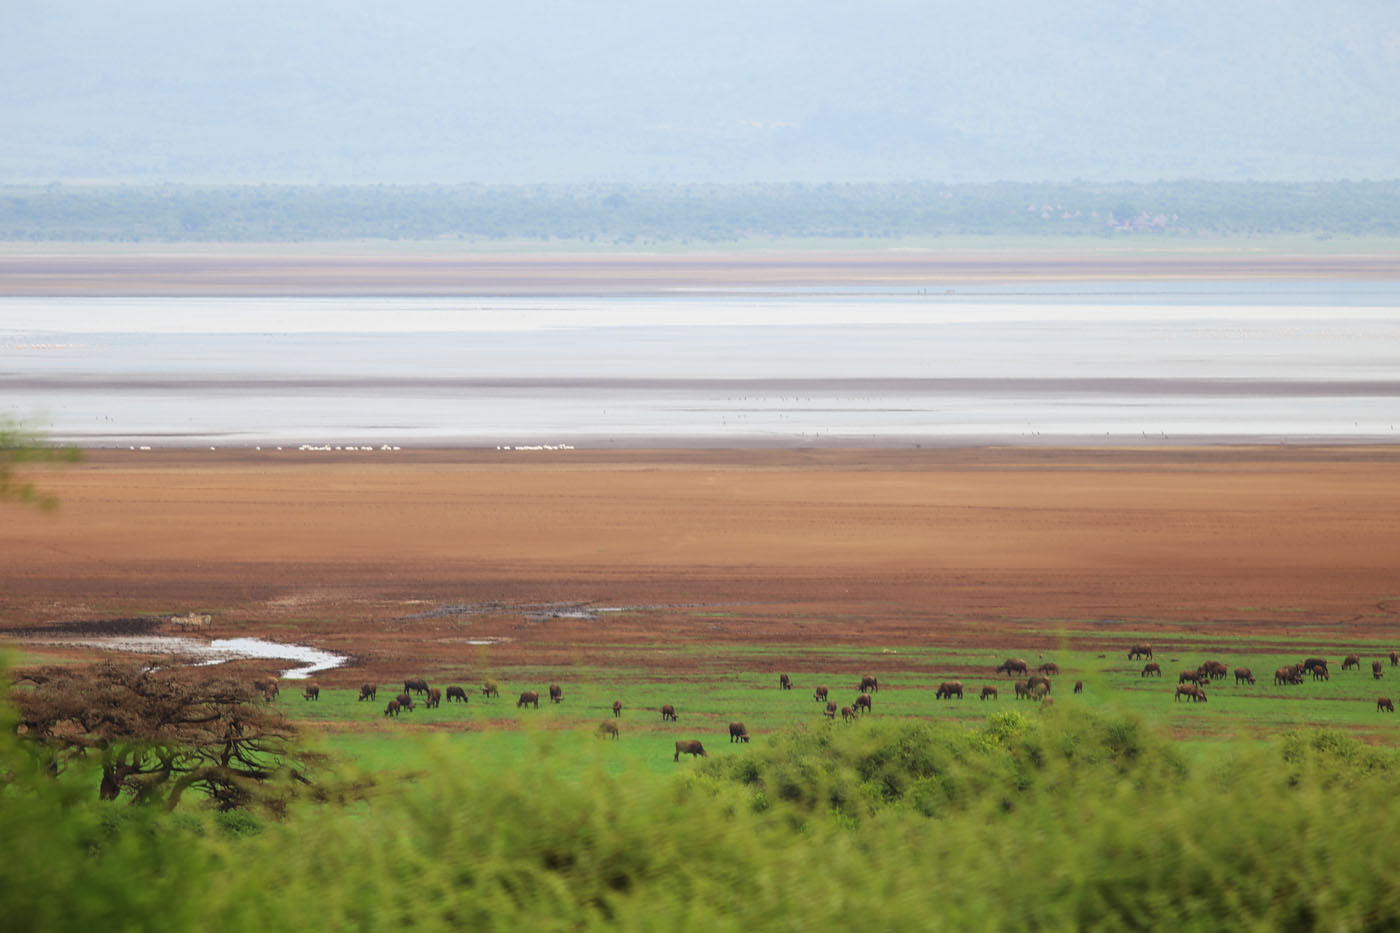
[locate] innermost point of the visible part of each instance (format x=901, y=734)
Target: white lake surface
x=1108, y=362
x=217, y=651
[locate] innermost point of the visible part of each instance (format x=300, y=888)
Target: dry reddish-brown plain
x=878, y=547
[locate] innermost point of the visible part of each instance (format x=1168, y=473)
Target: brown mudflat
x=358, y=552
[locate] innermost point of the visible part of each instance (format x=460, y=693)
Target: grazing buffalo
x=405, y=701
x=434, y=698
x=489, y=689
x=1288, y=675
x=415, y=685
x=819, y=694
x=556, y=693
x=1320, y=672
x=1351, y=662
x=1394, y=658
x=947, y=689
x=1023, y=689
x=830, y=711
x=869, y=684
x=1048, y=668
x=784, y=682
x=1376, y=670
x=737, y=732
x=689, y=747
x=989, y=692
x=367, y=691
x=1079, y=686
x=1243, y=675
x=528, y=698
x=1013, y=666
x=668, y=712
x=607, y=728
x=1039, y=691
x=1194, y=677
x=1214, y=670
x=1140, y=651
x=847, y=713
x=392, y=709
x=617, y=708
x=1193, y=691
x=1309, y=663
x=1036, y=680
x=456, y=693
x=1384, y=704
x=1153, y=669
x=312, y=692
x=862, y=704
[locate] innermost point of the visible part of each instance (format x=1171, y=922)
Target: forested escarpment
x=619, y=214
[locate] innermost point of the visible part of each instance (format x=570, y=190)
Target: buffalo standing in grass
x=556, y=693
x=947, y=689
x=784, y=682
x=415, y=685
x=1288, y=675
x=1194, y=677
x=1376, y=670
x=819, y=694
x=1140, y=651
x=862, y=704
x=367, y=691
x=1152, y=670
x=1193, y=691
x=869, y=684
x=830, y=711
x=737, y=732
x=405, y=701
x=1384, y=705
x=1040, y=691
x=847, y=714
x=434, y=698
x=1038, y=680
x=1351, y=662
x=1243, y=675
x=1394, y=658
x=489, y=689
x=668, y=712
x=312, y=692
x=1310, y=663
x=1013, y=666
x=1079, y=686
x=528, y=698
x=607, y=728
x=1023, y=689
x=617, y=708
x=456, y=693
x=392, y=709
x=1320, y=672
x=1048, y=668
x=1214, y=670
x=989, y=692
x=689, y=747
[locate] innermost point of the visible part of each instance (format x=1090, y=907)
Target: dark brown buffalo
x=1214, y=670
x=405, y=701
x=784, y=682
x=1320, y=672
x=528, y=698
x=689, y=747
x=1287, y=675
x=847, y=713
x=617, y=708
x=1394, y=658
x=1079, y=686
x=1376, y=670
x=948, y=688
x=819, y=694
x=1309, y=663
x=312, y=692
x=556, y=693
x=1351, y=662
x=367, y=691
x=456, y=693
x=668, y=712
x=1152, y=669
x=434, y=698
x=862, y=704
x=1194, y=677
x=1023, y=689
x=1384, y=704
x=737, y=732
x=392, y=709
x=1243, y=675
x=415, y=685
x=607, y=728
x=1013, y=666
x=989, y=692
x=1038, y=679
x=869, y=684
x=267, y=686
x=1048, y=668
x=489, y=689
x=1140, y=651
x=830, y=711
x=1193, y=691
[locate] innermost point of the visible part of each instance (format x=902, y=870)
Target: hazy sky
x=573, y=91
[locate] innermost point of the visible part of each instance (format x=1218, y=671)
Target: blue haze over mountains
x=349, y=92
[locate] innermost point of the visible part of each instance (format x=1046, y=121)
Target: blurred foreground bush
x=1057, y=822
